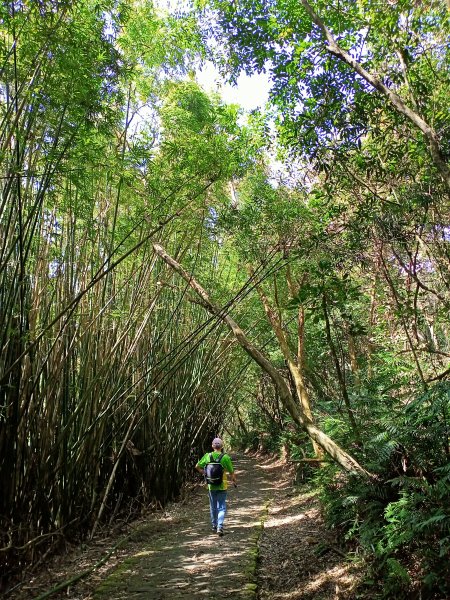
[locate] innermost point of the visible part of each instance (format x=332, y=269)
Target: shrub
x=401, y=520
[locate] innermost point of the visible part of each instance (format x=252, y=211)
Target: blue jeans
x=217, y=507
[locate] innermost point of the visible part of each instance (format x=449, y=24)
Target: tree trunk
x=294, y=369
x=340, y=373
x=344, y=460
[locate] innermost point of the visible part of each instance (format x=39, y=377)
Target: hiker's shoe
x=220, y=531
x=213, y=529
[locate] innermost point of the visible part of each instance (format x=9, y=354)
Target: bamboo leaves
x=103, y=367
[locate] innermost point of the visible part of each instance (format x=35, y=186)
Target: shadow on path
x=186, y=560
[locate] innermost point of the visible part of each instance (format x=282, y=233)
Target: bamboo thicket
x=108, y=383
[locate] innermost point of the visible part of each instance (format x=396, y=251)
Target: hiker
x=215, y=466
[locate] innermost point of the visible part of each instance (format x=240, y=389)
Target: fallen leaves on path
x=298, y=556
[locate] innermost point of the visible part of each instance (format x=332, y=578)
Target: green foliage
x=159, y=45
x=264, y=424
x=401, y=519
x=107, y=145
x=322, y=103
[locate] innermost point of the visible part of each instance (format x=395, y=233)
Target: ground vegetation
x=163, y=280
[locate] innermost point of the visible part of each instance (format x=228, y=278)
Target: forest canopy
x=173, y=268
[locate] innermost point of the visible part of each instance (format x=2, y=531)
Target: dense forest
x=173, y=267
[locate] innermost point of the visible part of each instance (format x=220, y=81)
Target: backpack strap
x=216, y=460
x=219, y=460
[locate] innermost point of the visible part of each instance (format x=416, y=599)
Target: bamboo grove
x=163, y=279
x=106, y=379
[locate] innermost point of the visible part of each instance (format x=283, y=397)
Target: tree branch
x=347, y=462
x=395, y=100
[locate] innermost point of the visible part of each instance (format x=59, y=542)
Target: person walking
x=217, y=491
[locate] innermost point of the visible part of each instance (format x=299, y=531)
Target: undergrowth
x=400, y=520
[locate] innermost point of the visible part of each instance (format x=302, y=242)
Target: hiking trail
x=272, y=549
x=186, y=560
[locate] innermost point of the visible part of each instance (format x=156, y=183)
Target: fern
x=405, y=515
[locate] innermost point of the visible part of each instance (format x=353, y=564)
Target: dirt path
x=185, y=560
x=173, y=555
x=299, y=559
